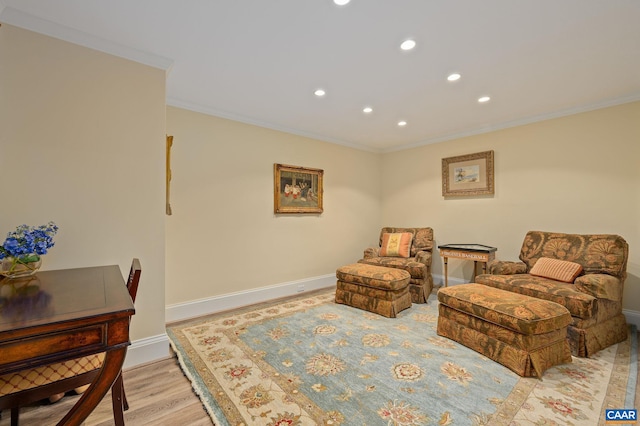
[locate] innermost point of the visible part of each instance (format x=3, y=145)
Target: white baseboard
x=196, y=308
x=145, y=351
x=438, y=280
x=633, y=317
x=155, y=348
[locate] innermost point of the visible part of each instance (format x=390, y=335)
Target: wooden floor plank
x=158, y=394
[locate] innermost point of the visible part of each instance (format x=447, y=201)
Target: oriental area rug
x=310, y=361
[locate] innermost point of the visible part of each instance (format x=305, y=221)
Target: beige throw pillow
x=396, y=244
x=560, y=270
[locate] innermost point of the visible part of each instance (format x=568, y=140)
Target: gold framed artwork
x=297, y=189
x=468, y=175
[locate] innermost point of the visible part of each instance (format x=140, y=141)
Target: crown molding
x=178, y=103
x=634, y=97
x=15, y=17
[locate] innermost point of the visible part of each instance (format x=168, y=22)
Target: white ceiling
x=259, y=61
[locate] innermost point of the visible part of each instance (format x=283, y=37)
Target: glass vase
x=16, y=267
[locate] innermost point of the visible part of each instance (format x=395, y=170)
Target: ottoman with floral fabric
x=525, y=334
x=377, y=289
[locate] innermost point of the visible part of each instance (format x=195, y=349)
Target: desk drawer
x=61, y=344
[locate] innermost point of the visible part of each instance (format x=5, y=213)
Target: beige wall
x=223, y=236
x=82, y=143
x=576, y=174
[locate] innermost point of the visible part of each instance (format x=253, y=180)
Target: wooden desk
x=71, y=313
x=475, y=252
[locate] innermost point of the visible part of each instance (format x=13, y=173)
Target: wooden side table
x=475, y=252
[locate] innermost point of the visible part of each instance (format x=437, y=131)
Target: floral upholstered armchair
x=583, y=273
x=414, y=256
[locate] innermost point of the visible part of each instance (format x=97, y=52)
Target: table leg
x=111, y=367
x=446, y=272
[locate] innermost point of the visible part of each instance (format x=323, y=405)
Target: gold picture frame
x=297, y=189
x=468, y=175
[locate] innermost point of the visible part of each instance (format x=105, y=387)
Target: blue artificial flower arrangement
x=27, y=243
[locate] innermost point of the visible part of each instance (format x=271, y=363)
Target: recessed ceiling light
x=408, y=44
x=402, y=123
x=367, y=110
x=319, y=93
x=341, y=2
x=484, y=99
x=454, y=77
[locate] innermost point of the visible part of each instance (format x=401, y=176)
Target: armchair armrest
x=371, y=252
x=506, y=267
x=424, y=257
x=601, y=286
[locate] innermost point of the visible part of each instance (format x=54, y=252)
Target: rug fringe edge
x=196, y=388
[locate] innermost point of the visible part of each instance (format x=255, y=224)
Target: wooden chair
x=27, y=386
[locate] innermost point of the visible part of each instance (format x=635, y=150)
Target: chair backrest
x=422, y=238
x=597, y=253
x=134, y=279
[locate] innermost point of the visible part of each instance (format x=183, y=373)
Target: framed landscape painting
x=297, y=189
x=468, y=175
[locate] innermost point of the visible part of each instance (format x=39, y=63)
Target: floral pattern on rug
x=577, y=393
x=310, y=361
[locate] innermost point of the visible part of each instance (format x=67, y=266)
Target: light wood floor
x=158, y=394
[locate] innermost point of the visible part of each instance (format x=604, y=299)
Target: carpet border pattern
x=621, y=386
